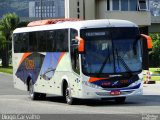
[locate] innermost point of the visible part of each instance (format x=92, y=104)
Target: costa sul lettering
x=29, y=64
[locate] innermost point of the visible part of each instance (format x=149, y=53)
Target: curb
x=152, y=82
x=157, y=82
x=1, y=73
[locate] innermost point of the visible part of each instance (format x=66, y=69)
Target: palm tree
x=2, y=40
x=8, y=23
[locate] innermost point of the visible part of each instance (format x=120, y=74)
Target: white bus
x=92, y=59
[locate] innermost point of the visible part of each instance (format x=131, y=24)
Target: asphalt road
x=13, y=101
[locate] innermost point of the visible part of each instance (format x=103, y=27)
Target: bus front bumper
x=96, y=93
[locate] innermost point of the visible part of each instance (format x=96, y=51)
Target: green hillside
x=20, y=7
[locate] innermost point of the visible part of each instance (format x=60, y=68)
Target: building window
x=108, y=5
x=115, y=4
x=133, y=5
x=142, y=5
x=124, y=5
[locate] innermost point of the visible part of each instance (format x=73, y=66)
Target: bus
x=80, y=59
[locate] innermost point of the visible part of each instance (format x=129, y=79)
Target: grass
x=154, y=71
x=155, y=78
x=6, y=70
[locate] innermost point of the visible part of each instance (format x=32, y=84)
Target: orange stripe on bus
x=61, y=57
x=24, y=56
x=93, y=79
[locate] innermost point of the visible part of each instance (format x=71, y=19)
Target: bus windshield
x=111, y=51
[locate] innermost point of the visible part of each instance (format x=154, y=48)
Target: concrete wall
x=97, y=9
x=87, y=12
x=141, y=18
x=90, y=10
x=154, y=28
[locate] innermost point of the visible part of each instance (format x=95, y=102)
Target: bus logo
x=29, y=64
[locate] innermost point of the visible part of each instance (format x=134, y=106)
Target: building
x=137, y=11
x=155, y=24
x=46, y=9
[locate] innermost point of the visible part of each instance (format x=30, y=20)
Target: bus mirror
x=80, y=44
x=149, y=41
x=74, y=42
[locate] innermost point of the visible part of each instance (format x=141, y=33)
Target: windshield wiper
x=123, y=62
x=134, y=45
x=105, y=61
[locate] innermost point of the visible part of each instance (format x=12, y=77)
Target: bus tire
x=33, y=95
x=68, y=98
x=120, y=100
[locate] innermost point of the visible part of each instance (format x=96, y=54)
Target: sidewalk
x=157, y=82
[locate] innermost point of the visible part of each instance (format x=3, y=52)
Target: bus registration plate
x=115, y=92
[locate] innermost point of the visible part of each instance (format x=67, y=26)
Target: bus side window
x=41, y=39
x=74, y=52
x=25, y=42
x=62, y=40
x=21, y=42
x=32, y=45
x=51, y=41
x=17, y=42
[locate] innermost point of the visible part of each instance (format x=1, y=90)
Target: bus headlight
x=91, y=85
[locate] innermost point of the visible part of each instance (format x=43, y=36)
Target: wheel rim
x=31, y=90
x=68, y=97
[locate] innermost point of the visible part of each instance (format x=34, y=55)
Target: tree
x=8, y=23
x=155, y=53
x=2, y=40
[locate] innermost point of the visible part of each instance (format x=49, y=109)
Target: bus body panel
x=49, y=70
x=94, y=91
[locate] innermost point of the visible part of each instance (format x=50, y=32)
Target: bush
x=155, y=53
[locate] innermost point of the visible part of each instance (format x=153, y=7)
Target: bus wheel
x=68, y=97
x=33, y=95
x=120, y=100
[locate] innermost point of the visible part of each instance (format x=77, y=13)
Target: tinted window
x=62, y=40
x=41, y=41
x=74, y=51
x=125, y=32
x=20, y=42
x=51, y=41
x=32, y=46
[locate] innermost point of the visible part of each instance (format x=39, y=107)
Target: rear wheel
x=34, y=95
x=120, y=100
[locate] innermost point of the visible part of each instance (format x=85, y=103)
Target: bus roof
x=50, y=21
x=84, y=24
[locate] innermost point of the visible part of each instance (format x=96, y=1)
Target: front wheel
x=69, y=99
